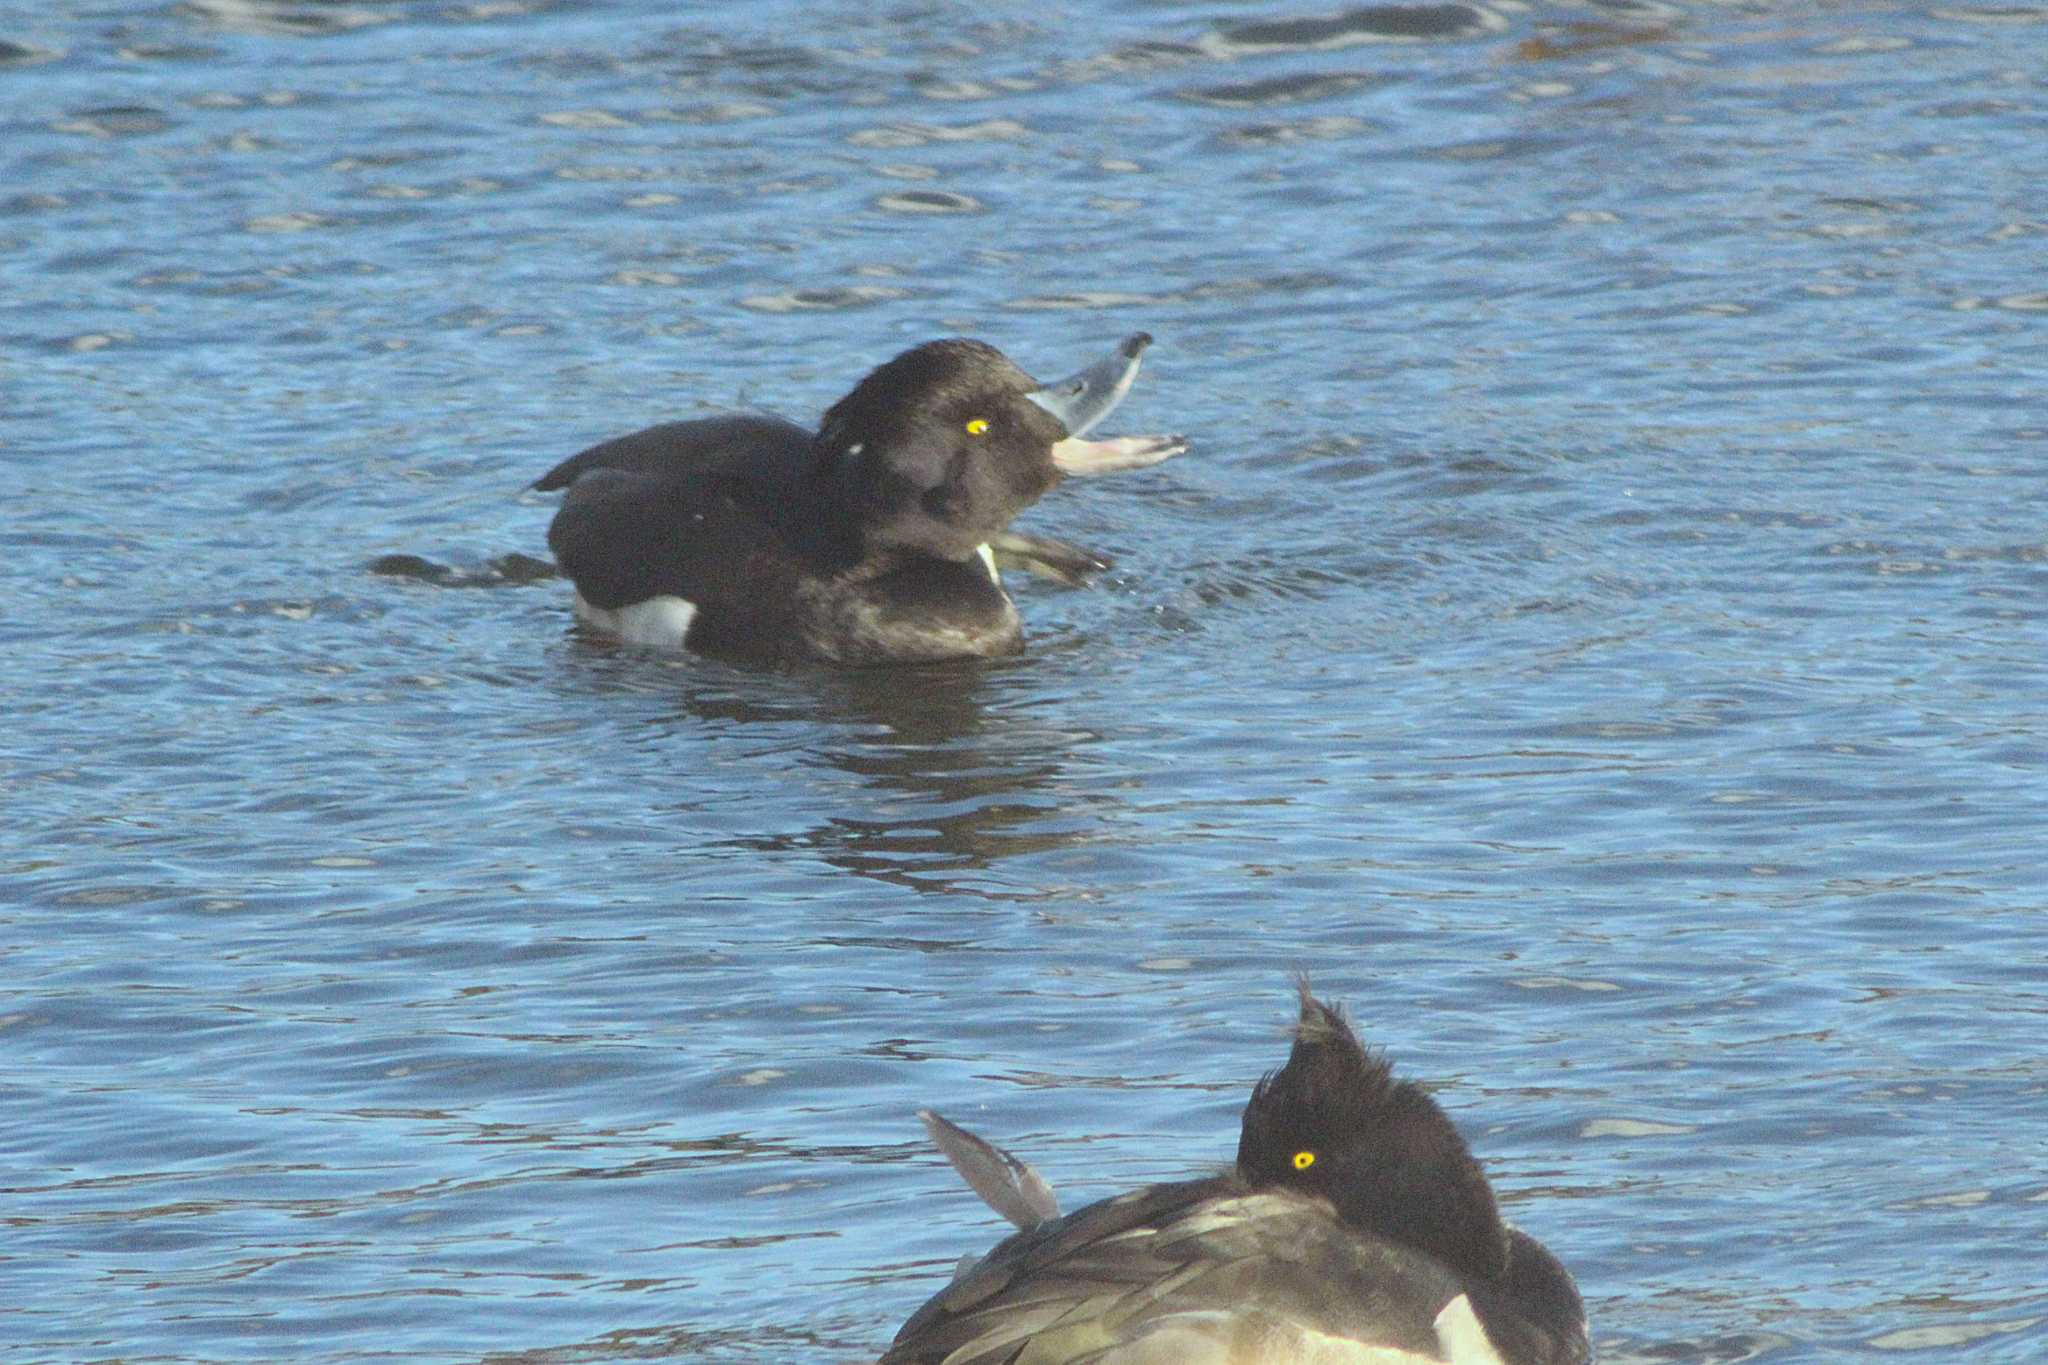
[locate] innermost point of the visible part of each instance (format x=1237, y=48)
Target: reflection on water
x=1594, y=634
x=947, y=777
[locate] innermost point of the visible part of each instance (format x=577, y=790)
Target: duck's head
x=1335, y=1122
x=937, y=451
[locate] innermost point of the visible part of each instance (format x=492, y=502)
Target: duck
x=869, y=541
x=1354, y=1228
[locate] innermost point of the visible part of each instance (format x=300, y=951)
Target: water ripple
x=1596, y=632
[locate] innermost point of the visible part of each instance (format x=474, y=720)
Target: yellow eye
x=1304, y=1160
x=977, y=426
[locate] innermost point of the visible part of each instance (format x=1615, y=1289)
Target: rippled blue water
x=1598, y=633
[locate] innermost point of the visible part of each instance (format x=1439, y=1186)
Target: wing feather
x=698, y=510
x=1186, y=1274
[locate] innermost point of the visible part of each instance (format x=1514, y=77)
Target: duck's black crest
x=1381, y=1150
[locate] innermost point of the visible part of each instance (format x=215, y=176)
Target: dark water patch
x=710, y=59
x=169, y=52
x=1373, y=23
x=1280, y=285
x=719, y=111
x=1298, y=89
x=1284, y=282
x=1335, y=568
x=1133, y=59
x=32, y=203
x=1970, y=109
x=1565, y=41
x=87, y=261
x=14, y=55
x=1091, y=301
x=929, y=201
x=1490, y=149
x=824, y=300
x=1334, y=460
x=2002, y=15
x=1261, y=136
x=509, y=570
x=115, y=121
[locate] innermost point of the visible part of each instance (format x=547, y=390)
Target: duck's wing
x=705, y=445
x=1006, y=1184
x=696, y=510
x=623, y=537
x=1199, y=1273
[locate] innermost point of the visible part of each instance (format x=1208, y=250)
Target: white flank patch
x=660, y=621
x=988, y=557
x=1463, y=1338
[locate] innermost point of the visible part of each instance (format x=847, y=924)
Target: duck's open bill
x=1082, y=400
x=1075, y=456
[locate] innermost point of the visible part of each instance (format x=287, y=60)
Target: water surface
x=1598, y=634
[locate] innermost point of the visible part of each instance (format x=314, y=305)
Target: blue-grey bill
x=1076, y=456
x=1082, y=400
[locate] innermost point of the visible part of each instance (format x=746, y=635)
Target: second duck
x=865, y=542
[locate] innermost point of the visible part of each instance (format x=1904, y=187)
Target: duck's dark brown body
x=864, y=542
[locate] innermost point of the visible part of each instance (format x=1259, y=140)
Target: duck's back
x=1199, y=1273
x=720, y=512
x=680, y=451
